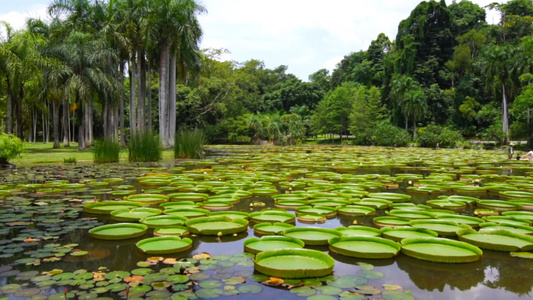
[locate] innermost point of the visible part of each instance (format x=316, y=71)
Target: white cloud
x=17, y=18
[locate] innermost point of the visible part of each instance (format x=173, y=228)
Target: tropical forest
x=136, y=165
x=113, y=68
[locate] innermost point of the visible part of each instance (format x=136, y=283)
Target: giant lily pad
x=163, y=221
x=187, y=212
x=294, y=263
x=146, y=199
x=364, y=247
x=441, y=250
x=255, y=245
x=312, y=235
x=106, y=207
x=118, y=231
x=217, y=225
x=399, y=233
x=359, y=231
x=499, y=240
x=272, y=217
x=134, y=214
x=164, y=245
x=271, y=228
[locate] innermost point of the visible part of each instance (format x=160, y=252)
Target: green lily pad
x=250, y=288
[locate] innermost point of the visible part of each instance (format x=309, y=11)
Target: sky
x=304, y=35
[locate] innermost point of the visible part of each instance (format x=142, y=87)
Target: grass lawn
x=43, y=153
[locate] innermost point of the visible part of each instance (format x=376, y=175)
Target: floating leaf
x=371, y=274
x=348, y=281
x=329, y=290
x=250, y=288
x=321, y=297
x=160, y=285
x=303, y=291
x=142, y=271
x=52, y=272
x=178, y=278
x=396, y=295
x=10, y=288
x=170, y=261
x=135, y=278
x=391, y=287
x=273, y=281
x=368, y=289
x=347, y=295
x=234, y=280
x=202, y=255
x=527, y=255
x=365, y=266
x=208, y=293
x=79, y=253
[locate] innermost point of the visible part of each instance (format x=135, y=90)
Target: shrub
x=385, y=134
x=434, y=135
x=70, y=160
x=106, y=151
x=189, y=144
x=144, y=147
x=10, y=147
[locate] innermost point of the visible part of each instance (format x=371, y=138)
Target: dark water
x=496, y=276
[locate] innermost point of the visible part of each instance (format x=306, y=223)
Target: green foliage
x=332, y=114
x=434, y=135
x=190, y=144
x=106, y=151
x=144, y=147
x=10, y=147
x=386, y=134
x=70, y=160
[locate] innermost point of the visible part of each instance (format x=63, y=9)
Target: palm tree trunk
x=149, y=97
x=18, y=114
x=163, y=95
x=133, y=103
x=66, y=121
x=172, y=102
x=9, y=109
x=141, y=120
x=121, y=108
x=414, y=129
x=55, y=117
x=505, y=115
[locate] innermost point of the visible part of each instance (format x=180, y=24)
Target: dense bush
x=106, y=151
x=189, y=144
x=385, y=134
x=144, y=147
x=434, y=135
x=10, y=147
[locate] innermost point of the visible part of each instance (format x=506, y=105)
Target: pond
x=46, y=251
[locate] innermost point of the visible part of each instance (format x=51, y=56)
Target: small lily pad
x=250, y=288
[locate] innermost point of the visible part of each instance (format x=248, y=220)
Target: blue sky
x=305, y=35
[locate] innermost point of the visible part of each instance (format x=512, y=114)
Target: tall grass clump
x=144, y=147
x=189, y=144
x=106, y=151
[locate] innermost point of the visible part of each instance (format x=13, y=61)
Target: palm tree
x=18, y=65
x=496, y=64
x=175, y=24
x=415, y=105
x=401, y=86
x=86, y=60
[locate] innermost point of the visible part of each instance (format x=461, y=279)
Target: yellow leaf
x=202, y=255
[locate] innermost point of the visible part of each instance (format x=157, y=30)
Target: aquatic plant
x=190, y=144
x=144, y=147
x=106, y=151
